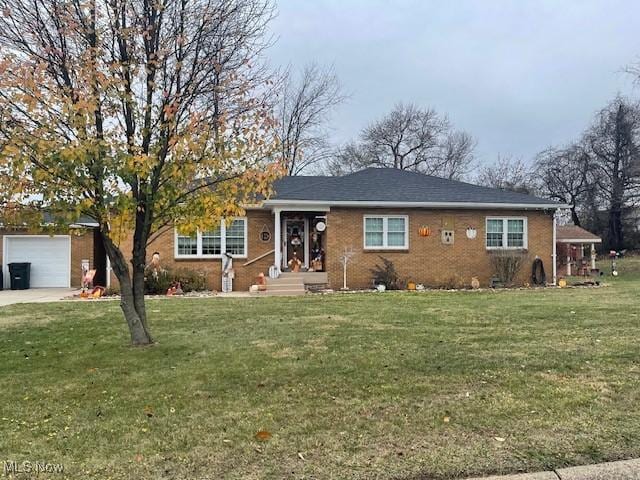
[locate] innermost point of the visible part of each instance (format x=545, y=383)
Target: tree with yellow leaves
x=137, y=113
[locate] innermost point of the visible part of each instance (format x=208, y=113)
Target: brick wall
x=427, y=260
x=212, y=267
x=81, y=249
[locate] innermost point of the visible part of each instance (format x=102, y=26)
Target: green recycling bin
x=20, y=275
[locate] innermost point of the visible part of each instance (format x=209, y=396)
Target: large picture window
x=230, y=238
x=386, y=232
x=506, y=233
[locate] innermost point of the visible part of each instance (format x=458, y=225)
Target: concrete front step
x=307, y=277
x=273, y=293
x=285, y=281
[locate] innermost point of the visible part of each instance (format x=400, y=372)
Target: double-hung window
x=506, y=233
x=388, y=232
x=228, y=238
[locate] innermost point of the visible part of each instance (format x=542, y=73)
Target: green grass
x=394, y=385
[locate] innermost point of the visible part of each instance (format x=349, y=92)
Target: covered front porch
x=300, y=249
x=300, y=241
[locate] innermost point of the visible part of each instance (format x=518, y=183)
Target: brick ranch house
x=435, y=231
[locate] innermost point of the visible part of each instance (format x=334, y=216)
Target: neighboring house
x=437, y=232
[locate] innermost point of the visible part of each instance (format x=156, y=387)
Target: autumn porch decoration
x=424, y=231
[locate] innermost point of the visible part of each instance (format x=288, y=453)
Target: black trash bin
x=20, y=275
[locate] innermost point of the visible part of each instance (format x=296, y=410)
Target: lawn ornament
x=345, y=259
x=261, y=283
x=538, y=276
x=228, y=273
x=613, y=255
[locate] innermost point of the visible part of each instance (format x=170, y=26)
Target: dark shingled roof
x=393, y=185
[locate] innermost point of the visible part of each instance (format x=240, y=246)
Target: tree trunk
x=615, y=238
x=131, y=295
x=137, y=326
x=139, y=260
x=574, y=216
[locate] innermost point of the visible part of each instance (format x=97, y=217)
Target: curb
x=621, y=470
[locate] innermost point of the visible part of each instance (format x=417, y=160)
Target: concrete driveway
x=35, y=295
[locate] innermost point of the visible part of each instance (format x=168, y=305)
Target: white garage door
x=49, y=257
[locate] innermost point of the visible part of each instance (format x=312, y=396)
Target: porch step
x=285, y=285
x=308, y=278
x=283, y=292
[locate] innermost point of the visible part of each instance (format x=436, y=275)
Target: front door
x=295, y=247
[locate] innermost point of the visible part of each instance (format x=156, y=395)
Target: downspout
x=554, y=255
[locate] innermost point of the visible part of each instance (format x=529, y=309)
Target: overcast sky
x=518, y=75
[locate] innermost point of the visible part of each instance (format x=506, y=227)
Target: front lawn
x=401, y=385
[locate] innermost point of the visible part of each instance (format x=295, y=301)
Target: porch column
x=593, y=256
x=277, y=239
x=568, y=259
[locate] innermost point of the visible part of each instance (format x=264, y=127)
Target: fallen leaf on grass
x=148, y=411
x=263, y=435
x=446, y=419
x=499, y=439
x=300, y=456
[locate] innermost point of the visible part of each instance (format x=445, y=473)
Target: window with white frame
x=212, y=242
x=236, y=238
x=386, y=232
x=506, y=232
x=187, y=245
x=230, y=238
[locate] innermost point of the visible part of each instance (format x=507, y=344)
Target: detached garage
x=57, y=261
x=50, y=258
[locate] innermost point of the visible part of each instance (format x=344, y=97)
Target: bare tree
x=567, y=175
x=409, y=138
x=457, y=154
x=507, y=173
x=614, y=143
x=349, y=158
x=303, y=112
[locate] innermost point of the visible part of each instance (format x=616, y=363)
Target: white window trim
x=525, y=233
x=223, y=243
x=385, y=231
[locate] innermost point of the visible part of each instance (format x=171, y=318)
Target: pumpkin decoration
x=411, y=285
x=424, y=231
